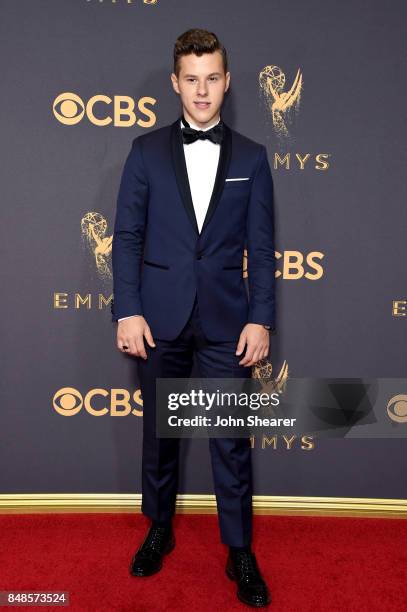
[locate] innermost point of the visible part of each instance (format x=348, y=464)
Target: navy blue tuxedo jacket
x=161, y=261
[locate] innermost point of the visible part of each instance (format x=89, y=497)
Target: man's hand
x=131, y=333
x=257, y=339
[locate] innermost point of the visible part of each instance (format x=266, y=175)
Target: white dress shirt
x=201, y=157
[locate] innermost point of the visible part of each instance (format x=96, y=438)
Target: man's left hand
x=257, y=339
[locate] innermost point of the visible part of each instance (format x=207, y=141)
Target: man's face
x=201, y=84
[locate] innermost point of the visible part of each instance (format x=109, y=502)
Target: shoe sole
x=231, y=575
x=144, y=575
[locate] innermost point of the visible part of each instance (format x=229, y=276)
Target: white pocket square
x=246, y=178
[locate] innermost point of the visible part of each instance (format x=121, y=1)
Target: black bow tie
x=215, y=134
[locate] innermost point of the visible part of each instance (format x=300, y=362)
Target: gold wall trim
x=23, y=503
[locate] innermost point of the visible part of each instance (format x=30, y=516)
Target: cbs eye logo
x=397, y=408
x=69, y=109
x=68, y=401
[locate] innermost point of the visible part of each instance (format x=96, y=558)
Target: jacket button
x=199, y=256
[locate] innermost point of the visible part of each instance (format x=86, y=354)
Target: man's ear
x=174, y=81
x=227, y=81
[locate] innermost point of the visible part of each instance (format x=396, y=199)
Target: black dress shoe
x=252, y=590
x=148, y=559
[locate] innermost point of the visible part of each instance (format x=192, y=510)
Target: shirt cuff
x=122, y=319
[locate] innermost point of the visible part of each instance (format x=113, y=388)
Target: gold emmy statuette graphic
x=245, y=263
x=263, y=370
x=280, y=102
x=94, y=227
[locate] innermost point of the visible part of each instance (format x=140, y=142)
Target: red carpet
x=310, y=563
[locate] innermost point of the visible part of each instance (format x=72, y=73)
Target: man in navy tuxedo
x=193, y=195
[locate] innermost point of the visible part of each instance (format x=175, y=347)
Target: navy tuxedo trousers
x=230, y=457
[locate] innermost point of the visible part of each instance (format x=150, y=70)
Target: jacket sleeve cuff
x=123, y=312
x=262, y=314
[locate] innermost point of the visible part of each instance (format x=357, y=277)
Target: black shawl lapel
x=181, y=173
x=221, y=174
